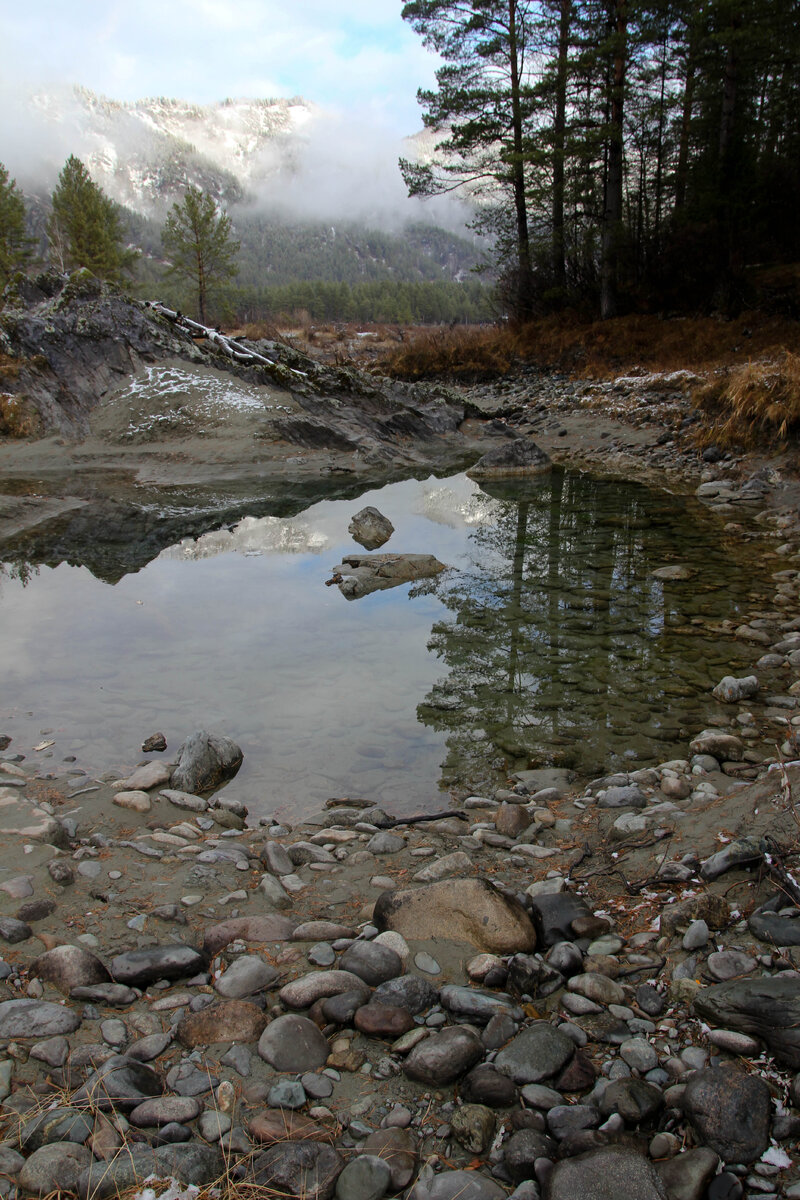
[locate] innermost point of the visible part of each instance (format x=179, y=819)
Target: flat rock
x=276, y=1125
x=148, y=775
x=360, y=574
x=36, y=1019
x=475, y=1005
x=164, y=1109
x=245, y=976
x=184, y=800
x=256, y=930
x=742, y=852
x=766, y=1008
x=730, y=1111
x=118, y=995
x=538, y=1052
x=462, y=910
x=189, y=1163
x=293, y=1043
x=120, y=1083
x=553, y=914
x=225, y=1021
x=141, y=967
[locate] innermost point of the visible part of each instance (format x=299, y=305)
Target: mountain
x=144, y=154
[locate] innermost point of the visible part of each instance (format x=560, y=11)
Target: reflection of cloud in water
x=446, y=506
x=253, y=535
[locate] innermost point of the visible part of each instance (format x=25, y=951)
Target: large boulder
x=205, y=761
x=731, y=1112
x=462, y=910
x=767, y=1008
x=517, y=457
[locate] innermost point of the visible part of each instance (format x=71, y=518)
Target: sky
x=344, y=55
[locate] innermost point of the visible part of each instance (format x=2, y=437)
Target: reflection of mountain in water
x=562, y=648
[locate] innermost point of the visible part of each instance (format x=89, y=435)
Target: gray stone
x=138, y=968
x=205, y=761
x=485, y=1085
x=52, y=1051
x=444, y=1057
x=637, y=1101
x=120, y=1083
x=365, y=1178
x=730, y=690
x=719, y=745
x=245, y=976
x=189, y=1163
x=743, y=852
x=385, y=843
x=62, y=1124
x=538, y=1052
x=114, y=994
x=54, y=1168
x=298, y=1168
x=358, y=575
x=731, y=1112
x=687, y=1175
x=14, y=931
x=767, y=1008
x=553, y=915
x=407, y=991
x=371, y=529
x=398, y=1148
x=455, y=1185
x=273, y=893
x=729, y=964
x=639, y=1055
x=627, y=796
x=186, y=1079
x=184, y=800
x=286, y=1093
x=163, y=1110
x=566, y=1119
x=372, y=962
x=36, y=1019
x=293, y=1043
x=514, y=457
x=605, y=1174
x=696, y=936
x=475, y=1005
x=523, y=1150
x=213, y=1125
x=276, y=859
x=147, y=1048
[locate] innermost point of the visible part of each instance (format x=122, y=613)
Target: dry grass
x=753, y=403
x=589, y=349
x=18, y=418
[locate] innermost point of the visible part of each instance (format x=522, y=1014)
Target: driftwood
x=226, y=344
x=440, y=816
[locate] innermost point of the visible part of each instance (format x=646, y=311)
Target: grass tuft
x=754, y=403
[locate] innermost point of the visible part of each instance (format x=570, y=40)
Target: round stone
x=293, y=1043
x=365, y=1178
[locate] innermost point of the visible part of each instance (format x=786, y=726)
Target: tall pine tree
x=85, y=229
x=15, y=245
x=199, y=242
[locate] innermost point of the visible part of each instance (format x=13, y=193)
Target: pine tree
x=15, y=245
x=198, y=240
x=85, y=229
x=482, y=105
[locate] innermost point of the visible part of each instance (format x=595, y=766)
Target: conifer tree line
x=626, y=153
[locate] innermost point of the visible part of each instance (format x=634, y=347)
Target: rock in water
x=359, y=574
x=768, y=1008
x=517, y=457
x=205, y=761
x=463, y=910
x=729, y=689
x=370, y=528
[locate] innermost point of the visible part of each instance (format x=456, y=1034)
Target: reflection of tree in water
x=23, y=571
x=564, y=649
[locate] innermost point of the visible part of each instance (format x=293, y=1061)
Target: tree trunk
x=524, y=289
x=612, y=205
x=559, y=145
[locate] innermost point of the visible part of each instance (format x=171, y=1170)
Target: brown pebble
x=383, y=1020
x=589, y=926
x=579, y=1074
x=279, y=1124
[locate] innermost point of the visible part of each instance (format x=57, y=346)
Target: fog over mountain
x=286, y=158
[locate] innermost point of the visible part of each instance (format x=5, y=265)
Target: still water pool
x=548, y=641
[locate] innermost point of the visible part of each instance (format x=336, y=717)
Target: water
x=548, y=641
